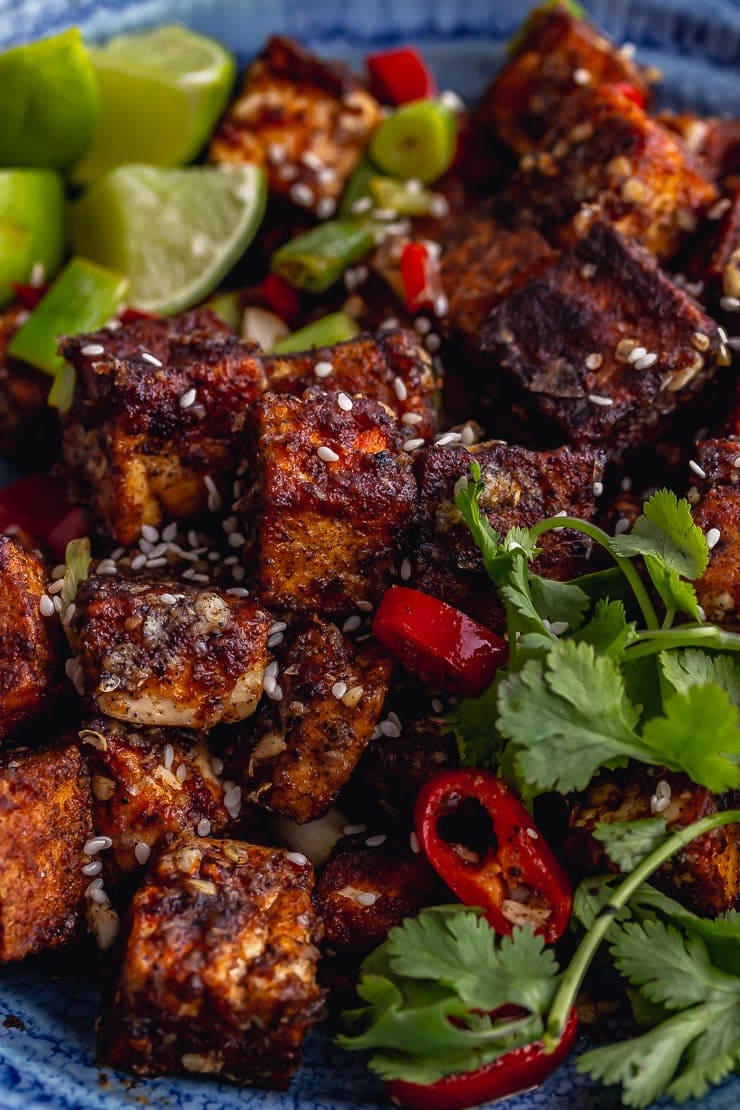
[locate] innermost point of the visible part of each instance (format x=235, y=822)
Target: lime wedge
x=49, y=100
x=174, y=233
x=31, y=225
x=161, y=93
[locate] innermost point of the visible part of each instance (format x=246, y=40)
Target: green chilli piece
x=402, y=198
x=417, y=141
x=83, y=298
x=316, y=260
x=357, y=200
x=336, y=328
x=228, y=308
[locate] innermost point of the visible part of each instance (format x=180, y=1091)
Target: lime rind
x=31, y=225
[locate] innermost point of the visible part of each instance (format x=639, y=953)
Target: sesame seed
x=168, y=756
x=441, y=305
x=46, y=606
x=376, y=841
x=187, y=399
x=272, y=669
x=559, y=627
x=93, y=868
x=326, y=208
x=92, y=349
x=69, y=614
x=413, y=444
x=97, y=844
x=437, y=705
x=593, y=361
x=351, y=624
x=422, y=325
x=636, y=354
x=323, y=369
x=405, y=570
x=599, y=399
x=388, y=728
x=58, y=604
x=730, y=304
x=468, y=435
x=598, y=488
x=344, y=402
x=276, y=153
x=432, y=343
x=659, y=805
x=287, y=172
x=236, y=539
x=365, y=606
x=384, y=214
x=327, y=455
x=203, y=827
x=339, y=689
x=142, y=851
x=238, y=591
x=55, y=587
x=722, y=334
x=354, y=830
x=713, y=537
x=399, y=386
x=581, y=76
x=736, y=462
x=107, y=566
x=702, y=614
x=302, y=194
x=621, y=526
x=232, y=796
x=447, y=438
x=414, y=843
x=168, y=599
x=217, y=765
x=438, y=209
x=276, y=626
x=275, y=640
x=411, y=418
x=663, y=789
x=532, y=834
x=646, y=361
x=362, y=204
x=697, y=469
x=151, y=359
x=389, y=323
x=365, y=898
x=181, y=773
x=275, y=693
x=297, y=857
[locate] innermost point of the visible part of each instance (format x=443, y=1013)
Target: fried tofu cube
x=45, y=822
x=602, y=346
x=166, y=654
x=151, y=782
x=152, y=418
x=714, y=140
x=604, y=151
x=29, y=642
x=332, y=504
x=555, y=53
x=367, y=889
x=704, y=876
x=718, y=515
x=520, y=487
x=488, y=262
x=390, y=366
x=306, y=121
x=300, y=750
x=219, y=966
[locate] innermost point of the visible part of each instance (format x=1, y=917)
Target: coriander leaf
x=520, y=539
x=641, y=680
x=558, y=601
x=608, y=631
x=667, y=531
x=628, y=842
x=605, y=584
x=466, y=503
x=461, y=951
x=473, y=723
x=591, y=896
x=674, y=591
x=566, y=716
x=686, y=669
x=699, y=734
x=709, y=1059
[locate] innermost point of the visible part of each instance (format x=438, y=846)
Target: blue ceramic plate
x=47, y=1039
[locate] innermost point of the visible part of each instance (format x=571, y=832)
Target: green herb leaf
x=666, y=530
x=674, y=591
x=473, y=723
x=627, y=842
x=699, y=734
x=685, y=669
x=608, y=631
x=558, y=601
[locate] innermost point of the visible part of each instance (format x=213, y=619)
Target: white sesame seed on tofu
x=713, y=537
x=323, y=369
x=697, y=469
x=92, y=349
x=327, y=455
x=151, y=359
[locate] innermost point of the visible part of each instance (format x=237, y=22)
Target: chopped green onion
x=336, y=328
x=316, y=260
x=62, y=392
x=358, y=190
x=83, y=298
x=418, y=140
x=77, y=562
x=228, y=308
x=403, y=198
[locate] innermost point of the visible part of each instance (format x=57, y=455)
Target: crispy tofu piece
x=718, y=590
x=521, y=487
x=604, y=153
x=555, y=53
x=307, y=121
x=714, y=140
x=299, y=751
x=705, y=876
x=45, y=821
x=365, y=890
x=151, y=782
x=568, y=342
x=152, y=418
x=166, y=654
x=26, y=424
x=219, y=966
x=29, y=643
x=327, y=532
x=390, y=366
x=716, y=262
x=488, y=262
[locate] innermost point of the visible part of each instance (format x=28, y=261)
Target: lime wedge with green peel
x=174, y=233
x=31, y=225
x=417, y=141
x=49, y=98
x=161, y=93
x=83, y=298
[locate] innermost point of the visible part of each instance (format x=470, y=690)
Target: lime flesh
x=161, y=93
x=49, y=99
x=416, y=141
x=31, y=225
x=174, y=233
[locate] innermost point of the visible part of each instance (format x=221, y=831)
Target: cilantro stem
x=686, y=635
x=598, y=535
x=573, y=977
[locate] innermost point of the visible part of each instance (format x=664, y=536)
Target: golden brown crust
x=298, y=753
x=567, y=337
x=30, y=652
x=327, y=534
x=169, y=654
x=45, y=821
x=26, y=425
x=219, y=966
x=521, y=487
x=137, y=454
x=307, y=121
x=718, y=590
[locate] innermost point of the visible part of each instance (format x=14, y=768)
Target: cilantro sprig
x=581, y=691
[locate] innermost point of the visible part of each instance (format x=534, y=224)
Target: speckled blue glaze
x=49, y=1060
